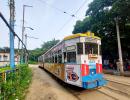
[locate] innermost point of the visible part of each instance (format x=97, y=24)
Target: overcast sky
x=46, y=18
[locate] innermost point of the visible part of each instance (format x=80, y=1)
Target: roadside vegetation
x=14, y=84
x=4, y=69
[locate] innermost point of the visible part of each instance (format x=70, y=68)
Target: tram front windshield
x=91, y=48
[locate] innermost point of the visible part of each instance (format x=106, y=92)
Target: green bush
x=16, y=83
x=32, y=62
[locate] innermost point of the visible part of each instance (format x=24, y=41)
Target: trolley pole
x=12, y=10
x=119, y=47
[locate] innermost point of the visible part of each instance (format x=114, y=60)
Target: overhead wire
x=32, y=37
x=73, y=16
x=58, y=9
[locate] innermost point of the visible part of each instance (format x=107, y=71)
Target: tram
x=76, y=60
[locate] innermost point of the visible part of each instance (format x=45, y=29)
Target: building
x=5, y=57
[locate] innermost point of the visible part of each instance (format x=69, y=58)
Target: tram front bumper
x=90, y=82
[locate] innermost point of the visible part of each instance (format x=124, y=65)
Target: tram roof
x=87, y=34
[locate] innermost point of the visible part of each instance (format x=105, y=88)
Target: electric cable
x=58, y=9
x=72, y=17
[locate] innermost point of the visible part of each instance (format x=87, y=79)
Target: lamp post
x=26, y=55
x=26, y=35
x=119, y=47
x=23, y=29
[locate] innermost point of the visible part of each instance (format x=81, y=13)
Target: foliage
x=34, y=54
x=82, y=26
x=4, y=69
x=100, y=19
x=16, y=83
x=32, y=62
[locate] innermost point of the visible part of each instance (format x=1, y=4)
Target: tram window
x=91, y=48
x=50, y=59
x=55, y=58
x=71, y=57
x=79, y=48
x=60, y=58
x=100, y=50
x=65, y=58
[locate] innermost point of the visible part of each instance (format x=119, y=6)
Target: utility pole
x=22, y=55
x=119, y=47
x=26, y=56
x=12, y=21
x=23, y=29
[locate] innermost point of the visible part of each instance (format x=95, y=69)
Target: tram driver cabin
x=76, y=60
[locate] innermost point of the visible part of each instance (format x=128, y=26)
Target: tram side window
x=55, y=58
x=91, y=48
x=60, y=58
x=71, y=57
x=65, y=58
x=50, y=60
x=100, y=50
x=79, y=48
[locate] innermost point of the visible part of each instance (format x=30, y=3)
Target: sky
x=46, y=17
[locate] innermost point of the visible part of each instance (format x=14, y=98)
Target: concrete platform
x=114, y=72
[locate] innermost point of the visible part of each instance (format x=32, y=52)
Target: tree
x=101, y=14
x=34, y=54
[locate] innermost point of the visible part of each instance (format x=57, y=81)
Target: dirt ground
x=45, y=87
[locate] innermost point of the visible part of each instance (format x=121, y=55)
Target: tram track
x=114, y=94
x=118, y=82
x=110, y=92
x=112, y=97
x=100, y=91
x=119, y=87
x=117, y=91
x=107, y=91
x=79, y=93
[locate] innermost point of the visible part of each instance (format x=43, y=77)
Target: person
x=128, y=64
x=115, y=65
x=106, y=63
x=118, y=65
x=111, y=65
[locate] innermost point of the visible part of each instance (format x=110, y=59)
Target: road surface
x=45, y=87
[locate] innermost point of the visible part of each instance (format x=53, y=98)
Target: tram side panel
x=73, y=74
x=57, y=70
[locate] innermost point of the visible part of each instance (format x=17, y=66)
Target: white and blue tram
x=76, y=60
